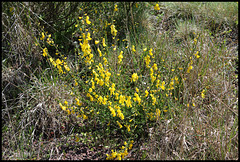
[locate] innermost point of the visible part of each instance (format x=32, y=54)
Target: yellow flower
x=154, y=66
x=93, y=85
x=113, y=30
x=195, y=41
x=134, y=77
x=90, y=90
x=120, y=57
x=114, y=154
x=128, y=127
x=65, y=102
x=78, y=102
x=108, y=157
x=153, y=99
x=43, y=36
x=145, y=49
x=150, y=52
x=137, y=98
x=197, y=54
x=119, y=157
x=128, y=101
x=67, y=68
x=68, y=111
x=115, y=9
x=104, y=101
x=104, y=45
x=133, y=48
x=116, y=96
x=101, y=82
x=153, y=78
x=45, y=52
x=137, y=89
x=136, y=5
x=96, y=41
x=60, y=69
x=85, y=117
x=189, y=68
x=202, y=93
x=146, y=93
x=100, y=53
x=130, y=146
x=87, y=20
x=88, y=36
x=112, y=111
x=122, y=99
x=120, y=114
x=162, y=86
x=63, y=107
x=147, y=60
x=156, y=7
x=112, y=89
x=51, y=60
x=151, y=71
x=100, y=99
x=120, y=125
x=176, y=79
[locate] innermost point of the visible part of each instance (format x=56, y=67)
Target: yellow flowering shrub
x=113, y=92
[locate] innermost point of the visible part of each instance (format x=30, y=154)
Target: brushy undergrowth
x=157, y=80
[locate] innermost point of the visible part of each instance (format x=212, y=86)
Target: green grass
x=191, y=52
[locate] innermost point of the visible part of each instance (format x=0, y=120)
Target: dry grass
x=210, y=129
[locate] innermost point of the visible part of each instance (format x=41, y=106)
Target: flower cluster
x=134, y=77
x=122, y=153
x=120, y=57
x=156, y=7
x=113, y=31
x=72, y=109
x=190, y=67
x=60, y=64
x=86, y=49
